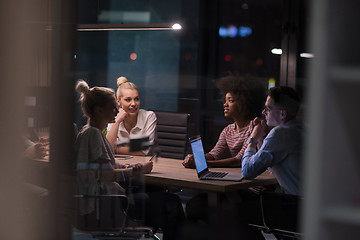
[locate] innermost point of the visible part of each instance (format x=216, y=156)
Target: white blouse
x=146, y=125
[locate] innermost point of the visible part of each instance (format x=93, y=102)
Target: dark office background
x=175, y=70
x=40, y=49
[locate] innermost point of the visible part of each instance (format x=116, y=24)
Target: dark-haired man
x=280, y=151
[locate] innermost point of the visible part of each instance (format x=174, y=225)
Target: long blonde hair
x=91, y=97
x=123, y=83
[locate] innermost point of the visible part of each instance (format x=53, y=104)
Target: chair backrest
x=172, y=133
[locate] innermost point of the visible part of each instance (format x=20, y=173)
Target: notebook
x=201, y=164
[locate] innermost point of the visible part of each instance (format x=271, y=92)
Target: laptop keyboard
x=216, y=174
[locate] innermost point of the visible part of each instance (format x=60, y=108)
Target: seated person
x=243, y=99
x=131, y=121
x=93, y=149
x=280, y=152
x=36, y=204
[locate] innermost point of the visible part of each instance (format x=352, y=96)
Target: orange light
x=133, y=56
x=188, y=56
x=259, y=61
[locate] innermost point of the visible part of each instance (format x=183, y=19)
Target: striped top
x=232, y=143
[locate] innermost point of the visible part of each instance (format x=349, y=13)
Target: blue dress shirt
x=281, y=154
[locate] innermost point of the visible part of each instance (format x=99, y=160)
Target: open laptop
x=201, y=164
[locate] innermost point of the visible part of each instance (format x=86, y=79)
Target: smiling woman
x=131, y=121
x=243, y=99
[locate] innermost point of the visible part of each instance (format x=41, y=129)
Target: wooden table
x=171, y=172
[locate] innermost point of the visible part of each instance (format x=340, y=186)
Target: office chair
x=117, y=226
x=172, y=133
x=110, y=217
x=280, y=215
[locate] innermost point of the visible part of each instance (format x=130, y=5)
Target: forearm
x=254, y=163
x=117, y=175
x=126, y=150
x=247, y=168
x=30, y=152
x=227, y=162
x=112, y=134
x=124, y=172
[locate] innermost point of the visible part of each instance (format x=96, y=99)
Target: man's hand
x=189, y=161
x=259, y=130
x=255, y=122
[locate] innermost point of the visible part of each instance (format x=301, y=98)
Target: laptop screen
x=199, y=155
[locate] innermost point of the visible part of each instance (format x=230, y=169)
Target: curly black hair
x=249, y=93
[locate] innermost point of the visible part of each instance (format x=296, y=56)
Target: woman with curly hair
x=243, y=100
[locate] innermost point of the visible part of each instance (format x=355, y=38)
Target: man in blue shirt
x=280, y=151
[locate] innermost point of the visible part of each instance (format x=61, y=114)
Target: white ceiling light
x=277, y=51
x=176, y=26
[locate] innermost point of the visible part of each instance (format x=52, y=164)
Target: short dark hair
x=249, y=92
x=286, y=98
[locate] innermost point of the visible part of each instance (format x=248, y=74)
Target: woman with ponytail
x=93, y=149
x=162, y=210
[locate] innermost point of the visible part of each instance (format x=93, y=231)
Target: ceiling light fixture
x=127, y=27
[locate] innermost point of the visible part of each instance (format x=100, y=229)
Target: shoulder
x=230, y=127
x=228, y=130
x=89, y=139
x=276, y=132
x=90, y=132
x=289, y=130
x=246, y=130
x=144, y=114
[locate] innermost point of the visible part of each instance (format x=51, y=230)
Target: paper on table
x=123, y=157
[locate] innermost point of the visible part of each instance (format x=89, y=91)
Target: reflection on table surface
x=171, y=172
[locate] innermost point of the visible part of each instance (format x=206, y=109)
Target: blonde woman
x=131, y=121
x=162, y=210
x=99, y=106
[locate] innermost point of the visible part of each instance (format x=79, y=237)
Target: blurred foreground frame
x=36, y=57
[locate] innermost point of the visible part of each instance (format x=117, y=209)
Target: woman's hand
x=121, y=116
x=189, y=161
x=42, y=147
x=147, y=167
x=120, y=165
x=142, y=167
